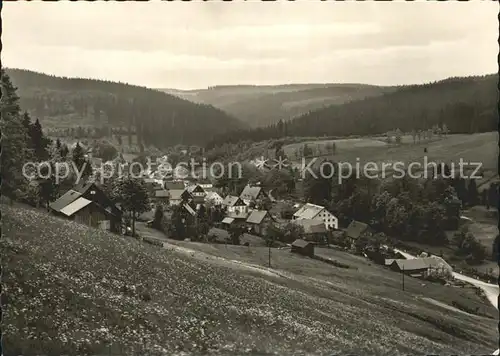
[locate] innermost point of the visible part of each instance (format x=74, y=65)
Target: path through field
x=490, y=290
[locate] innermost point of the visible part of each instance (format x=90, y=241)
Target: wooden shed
x=302, y=247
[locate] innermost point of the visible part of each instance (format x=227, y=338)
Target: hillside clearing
x=481, y=148
x=77, y=290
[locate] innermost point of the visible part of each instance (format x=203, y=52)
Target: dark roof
x=65, y=199
x=176, y=194
x=301, y=243
x=83, y=187
x=189, y=209
x=231, y=200
x=174, y=185
x=411, y=264
x=356, y=229
x=250, y=193
x=256, y=216
x=311, y=226
x=195, y=188
x=237, y=215
x=162, y=193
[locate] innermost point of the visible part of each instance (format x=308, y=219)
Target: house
x=356, y=229
x=218, y=235
x=213, y=198
x=312, y=211
x=87, y=203
x=173, y=185
x=303, y=247
x=258, y=221
x=314, y=230
x=251, y=194
x=206, y=184
x=227, y=221
x=197, y=192
x=234, y=205
x=177, y=196
x=161, y=196
x=420, y=266
x=189, y=209
x=415, y=267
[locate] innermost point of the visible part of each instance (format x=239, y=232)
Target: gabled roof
x=65, y=199
x=227, y=220
x=75, y=206
x=411, y=264
x=176, y=194
x=162, y=193
x=301, y=243
x=231, y=200
x=238, y=215
x=250, y=193
x=308, y=211
x=213, y=195
x=196, y=188
x=356, y=229
x=174, y=185
x=189, y=209
x=311, y=226
x=83, y=187
x=256, y=216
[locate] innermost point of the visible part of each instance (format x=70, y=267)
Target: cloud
x=179, y=44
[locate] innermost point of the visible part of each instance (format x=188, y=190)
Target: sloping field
x=73, y=290
x=481, y=148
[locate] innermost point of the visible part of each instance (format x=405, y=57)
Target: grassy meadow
x=482, y=147
x=74, y=290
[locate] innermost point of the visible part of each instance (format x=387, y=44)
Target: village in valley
x=252, y=178
x=165, y=205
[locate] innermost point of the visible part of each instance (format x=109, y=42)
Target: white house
x=206, y=184
x=213, y=198
x=196, y=191
x=317, y=212
x=235, y=205
x=251, y=194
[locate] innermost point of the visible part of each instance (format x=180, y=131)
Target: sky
x=188, y=45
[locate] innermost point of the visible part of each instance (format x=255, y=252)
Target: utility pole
x=269, y=254
x=269, y=243
x=403, y=273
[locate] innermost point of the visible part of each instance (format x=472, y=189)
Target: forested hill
x=465, y=105
x=263, y=105
x=157, y=118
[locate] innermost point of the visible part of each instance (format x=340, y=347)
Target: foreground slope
x=157, y=117
x=70, y=289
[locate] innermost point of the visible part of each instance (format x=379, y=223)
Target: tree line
x=463, y=105
x=156, y=118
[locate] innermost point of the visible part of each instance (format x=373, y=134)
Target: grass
x=482, y=147
x=69, y=289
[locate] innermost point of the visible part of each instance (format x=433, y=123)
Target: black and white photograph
x=249, y=178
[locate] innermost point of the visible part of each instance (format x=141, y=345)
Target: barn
x=302, y=247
